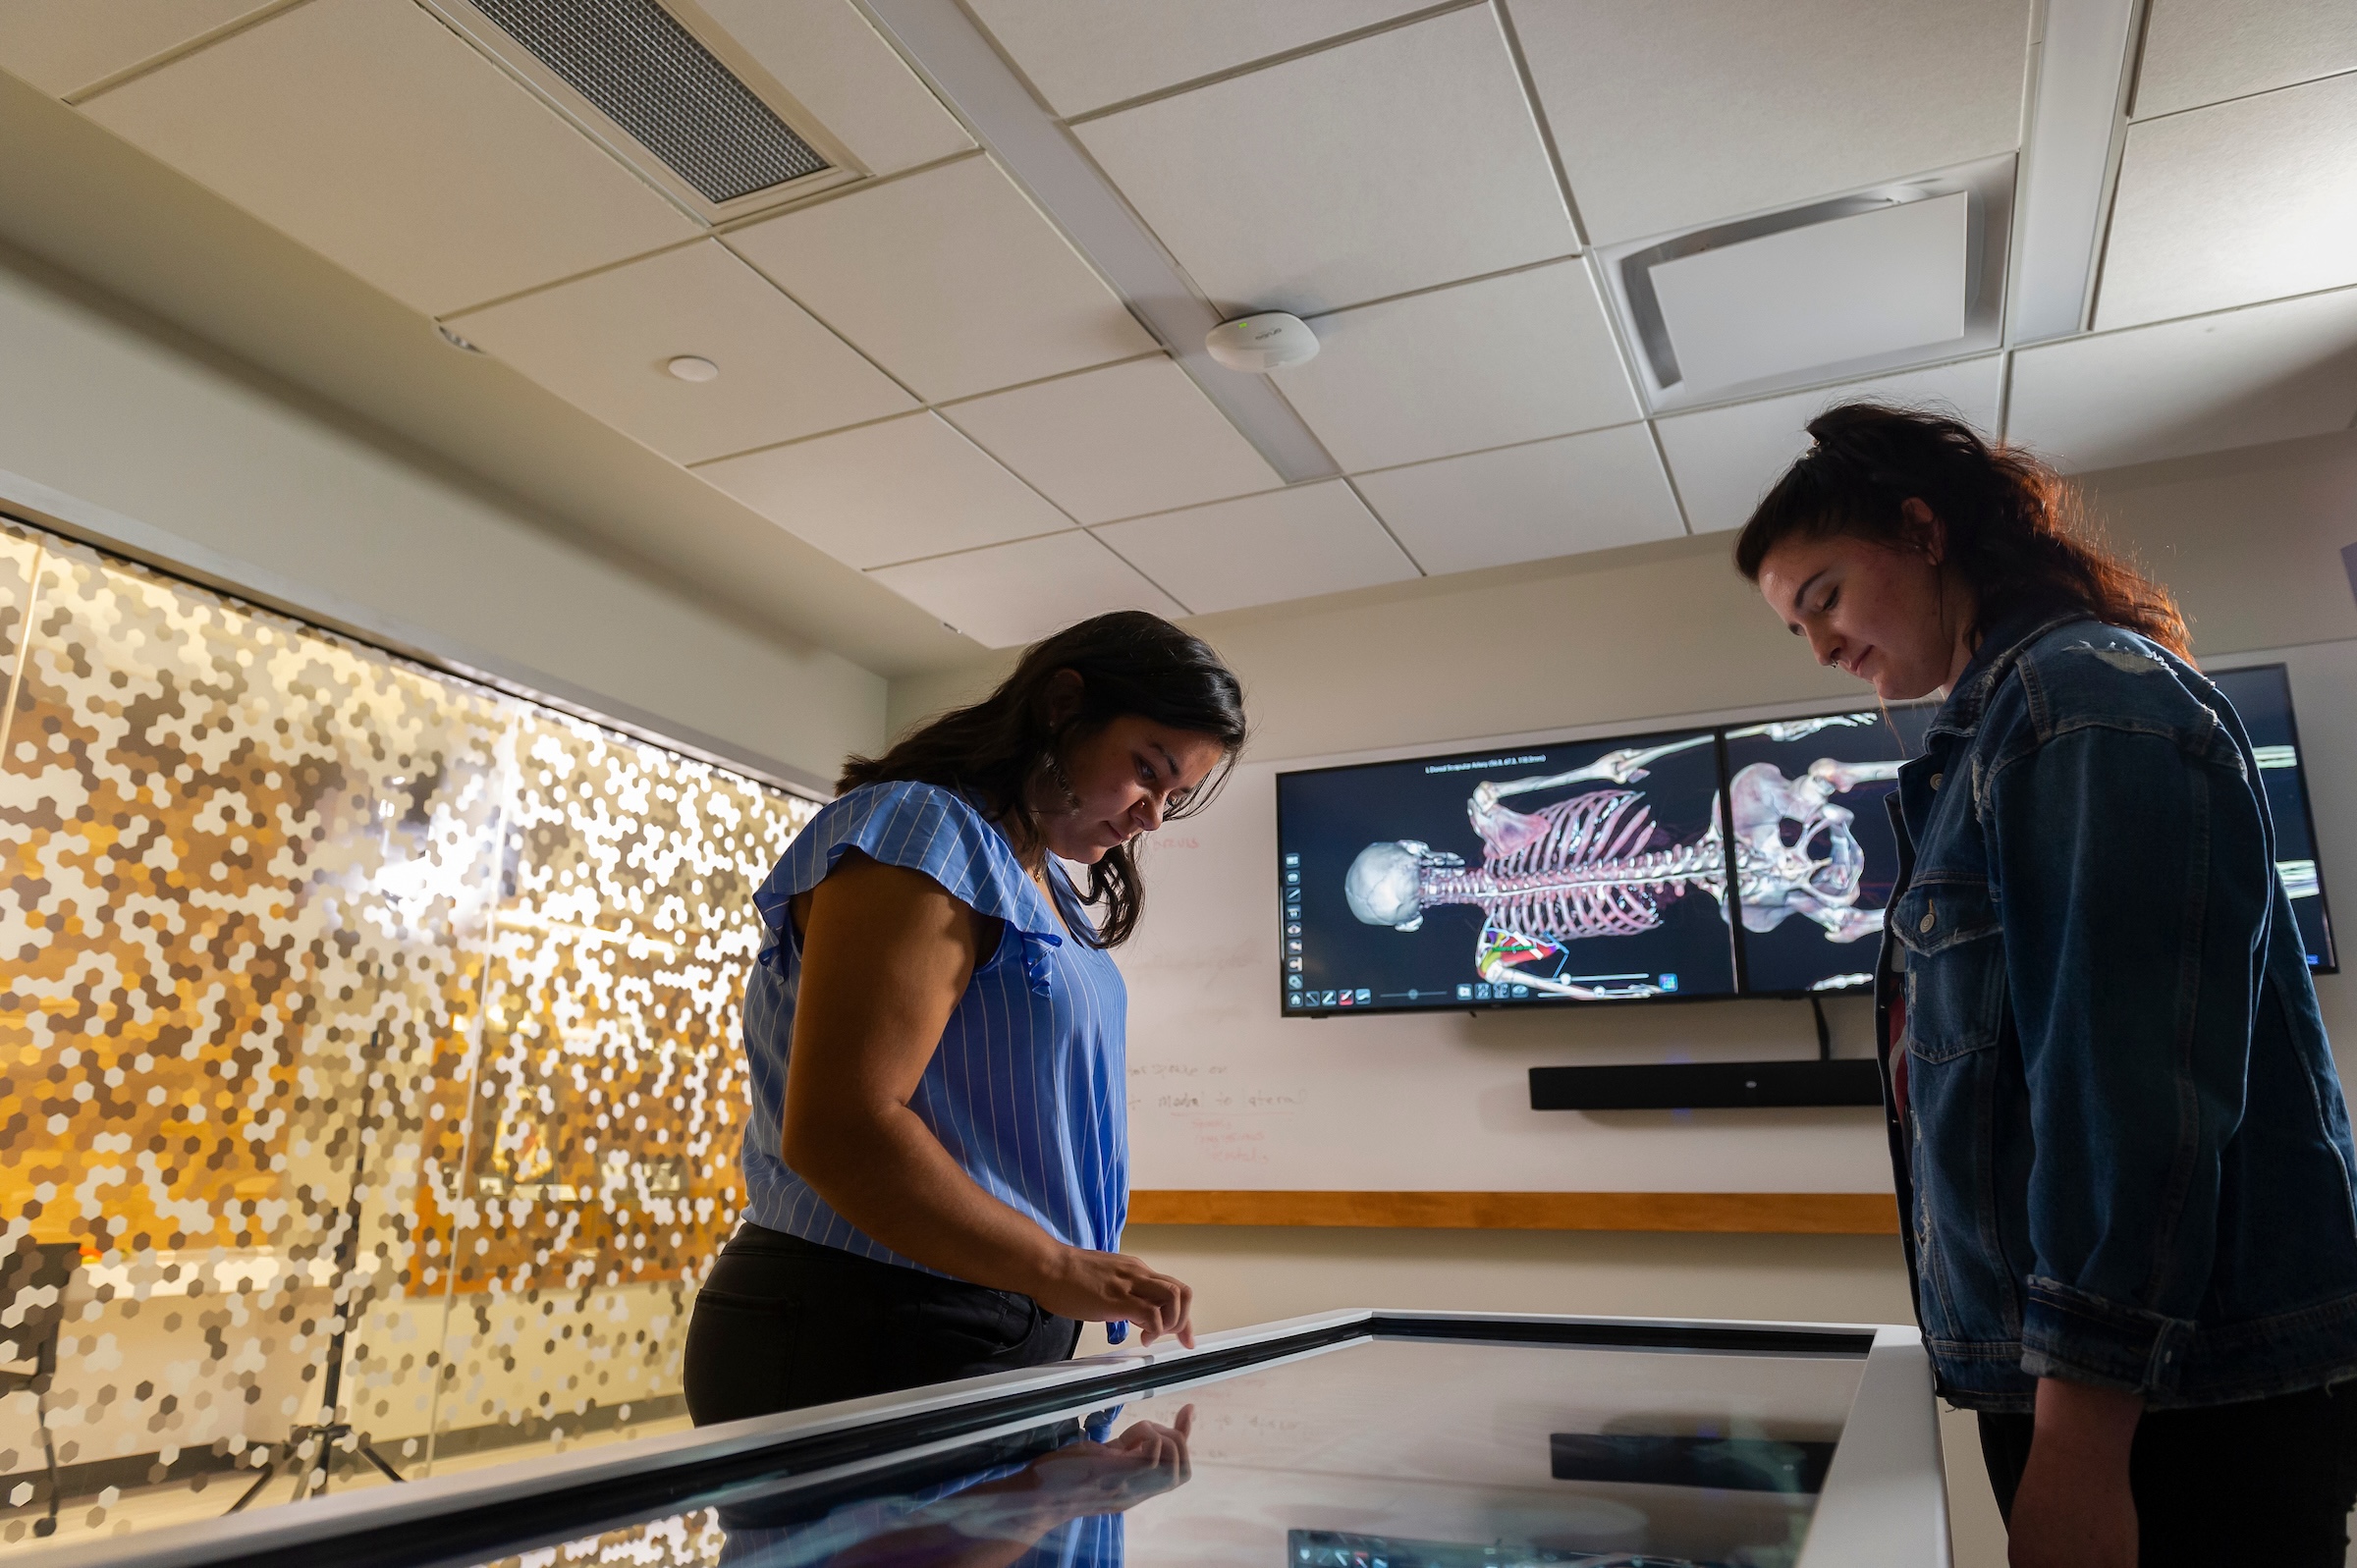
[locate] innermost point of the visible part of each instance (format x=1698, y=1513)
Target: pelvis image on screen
x=1808, y=800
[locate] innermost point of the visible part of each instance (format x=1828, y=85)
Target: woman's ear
x=1923, y=523
x=1060, y=697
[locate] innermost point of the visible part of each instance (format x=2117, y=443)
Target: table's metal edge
x=1885, y=1502
x=283, y=1529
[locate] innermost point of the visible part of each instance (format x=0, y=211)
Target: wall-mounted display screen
x=1589, y=871
x=1753, y=859
x=2262, y=695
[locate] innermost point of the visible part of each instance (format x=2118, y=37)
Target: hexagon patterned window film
x=368, y=1066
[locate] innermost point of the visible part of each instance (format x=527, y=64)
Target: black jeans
x=2268, y=1482
x=783, y=1323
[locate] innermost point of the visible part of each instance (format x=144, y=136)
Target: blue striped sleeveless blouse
x=1028, y=1091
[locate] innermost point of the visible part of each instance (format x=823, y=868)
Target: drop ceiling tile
x=888, y=491
x=2235, y=203
x=1672, y=116
x=1085, y=54
x=824, y=53
x=2269, y=374
x=1403, y=160
x=603, y=343
x=1482, y=364
x=1117, y=442
x=1018, y=593
x=371, y=133
x=1287, y=544
x=2205, y=51
x=61, y=47
x=1723, y=459
x=949, y=279
x=1529, y=502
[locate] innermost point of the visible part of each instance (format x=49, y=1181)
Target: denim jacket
x=2121, y=1145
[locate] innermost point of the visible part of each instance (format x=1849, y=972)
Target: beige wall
x=195, y=459
x=2250, y=541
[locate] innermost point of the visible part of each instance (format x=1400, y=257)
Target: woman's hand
x=1115, y=1287
x=2073, y=1508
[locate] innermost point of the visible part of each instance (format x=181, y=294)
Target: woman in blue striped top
x=937, y=1160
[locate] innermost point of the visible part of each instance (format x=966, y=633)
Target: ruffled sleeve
x=927, y=828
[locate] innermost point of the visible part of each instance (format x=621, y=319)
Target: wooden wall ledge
x=1816, y=1214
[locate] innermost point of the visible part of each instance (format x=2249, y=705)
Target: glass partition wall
x=367, y=1070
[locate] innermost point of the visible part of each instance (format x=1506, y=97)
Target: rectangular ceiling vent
x=1881, y=280
x=640, y=69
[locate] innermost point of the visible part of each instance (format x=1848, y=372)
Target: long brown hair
x=995, y=751
x=2016, y=532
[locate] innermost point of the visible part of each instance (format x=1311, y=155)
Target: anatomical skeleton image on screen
x=1590, y=865
x=1591, y=871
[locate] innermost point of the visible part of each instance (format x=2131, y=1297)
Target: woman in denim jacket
x=2119, y=1139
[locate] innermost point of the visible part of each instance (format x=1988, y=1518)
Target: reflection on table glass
x=1382, y=1454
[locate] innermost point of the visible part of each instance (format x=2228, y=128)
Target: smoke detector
x=1258, y=344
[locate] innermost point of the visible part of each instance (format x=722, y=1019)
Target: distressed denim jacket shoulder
x=2121, y=1145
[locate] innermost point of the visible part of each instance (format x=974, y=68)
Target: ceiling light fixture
x=1258, y=344
x=692, y=367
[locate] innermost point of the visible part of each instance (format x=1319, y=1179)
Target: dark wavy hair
x=2016, y=532
x=993, y=752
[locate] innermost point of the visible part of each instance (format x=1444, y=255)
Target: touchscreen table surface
x=1380, y=1454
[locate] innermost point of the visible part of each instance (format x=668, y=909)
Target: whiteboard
x=1226, y=1091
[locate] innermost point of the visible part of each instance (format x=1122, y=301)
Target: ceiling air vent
x=640, y=69
x=1896, y=276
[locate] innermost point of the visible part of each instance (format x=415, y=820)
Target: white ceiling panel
x=2235, y=203
x=1117, y=442
x=1287, y=544
x=887, y=492
x=1672, y=116
x=824, y=53
x=61, y=46
x=371, y=133
x=1403, y=160
x=949, y=279
x=1483, y=364
x=1724, y=458
x=1530, y=503
x=604, y=343
x=2206, y=51
x=1085, y=54
x=2267, y=373
x=1011, y=594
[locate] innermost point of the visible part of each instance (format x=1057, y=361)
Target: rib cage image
x=1592, y=865
x=1587, y=872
